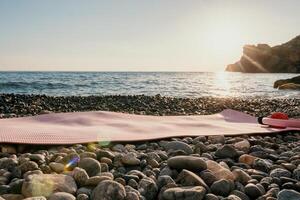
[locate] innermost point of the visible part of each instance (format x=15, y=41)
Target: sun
x=224, y=37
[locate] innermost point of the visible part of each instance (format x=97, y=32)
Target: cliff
x=262, y=58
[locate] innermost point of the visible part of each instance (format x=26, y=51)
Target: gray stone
x=61, y=196
x=35, y=198
x=253, y=191
x=28, y=166
x=184, y=193
x=8, y=163
x=130, y=159
x=241, y=176
x=279, y=172
x=46, y=184
x=296, y=174
x=222, y=187
x=187, y=162
x=57, y=167
x=226, y=151
x=80, y=176
x=188, y=178
x=82, y=197
x=178, y=145
x=90, y=165
x=148, y=188
x=109, y=190
x=288, y=195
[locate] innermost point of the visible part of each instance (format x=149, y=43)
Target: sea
x=173, y=84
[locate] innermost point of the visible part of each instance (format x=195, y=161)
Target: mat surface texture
x=98, y=126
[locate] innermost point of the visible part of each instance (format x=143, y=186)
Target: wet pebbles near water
x=210, y=168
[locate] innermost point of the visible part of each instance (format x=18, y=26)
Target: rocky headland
x=262, y=58
x=262, y=167
x=292, y=83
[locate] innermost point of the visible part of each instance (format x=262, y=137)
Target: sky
x=138, y=35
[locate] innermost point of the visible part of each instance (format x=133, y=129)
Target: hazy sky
x=139, y=35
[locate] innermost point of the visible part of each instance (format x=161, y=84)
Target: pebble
x=148, y=188
x=188, y=178
x=222, y=187
x=241, y=176
x=219, y=171
x=187, y=162
x=288, y=195
x=57, y=167
x=61, y=196
x=247, y=159
x=185, y=193
x=253, y=191
x=108, y=190
x=130, y=159
x=279, y=172
x=90, y=165
x=80, y=176
x=46, y=184
x=178, y=145
x=226, y=151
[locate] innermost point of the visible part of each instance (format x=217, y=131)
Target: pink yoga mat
x=99, y=126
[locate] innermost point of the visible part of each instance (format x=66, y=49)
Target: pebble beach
x=202, y=168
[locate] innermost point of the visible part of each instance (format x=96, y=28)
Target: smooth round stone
x=107, y=190
x=211, y=197
x=80, y=176
x=57, y=167
x=12, y=196
x=132, y=196
x=35, y=198
x=240, y=194
x=187, y=162
x=163, y=180
x=28, y=166
x=226, y=151
x=148, y=188
x=178, y=145
x=95, y=180
x=188, y=178
x=243, y=145
x=61, y=196
x=182, y=193
x=247, y=159
x=46, y=184
x=216, y=139
x=253, y=191
x=288, y=195
x=8, y=163
x=90, y=165
x=262, y=165
x=208, y=177
x=219, y=171
x=241, y=176
x=279, y=172
x=82, y=197
x=296, y=174
x=222, y=187
x=233, y=197
x=130, y=159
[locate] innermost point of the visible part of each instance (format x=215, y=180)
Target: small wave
x=34, y=85
x=13, y=84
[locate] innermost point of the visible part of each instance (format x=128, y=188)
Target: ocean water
x=175, y=84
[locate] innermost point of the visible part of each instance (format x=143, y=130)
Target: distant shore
x=18, y=105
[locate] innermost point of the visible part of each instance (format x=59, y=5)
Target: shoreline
x=204, y=167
